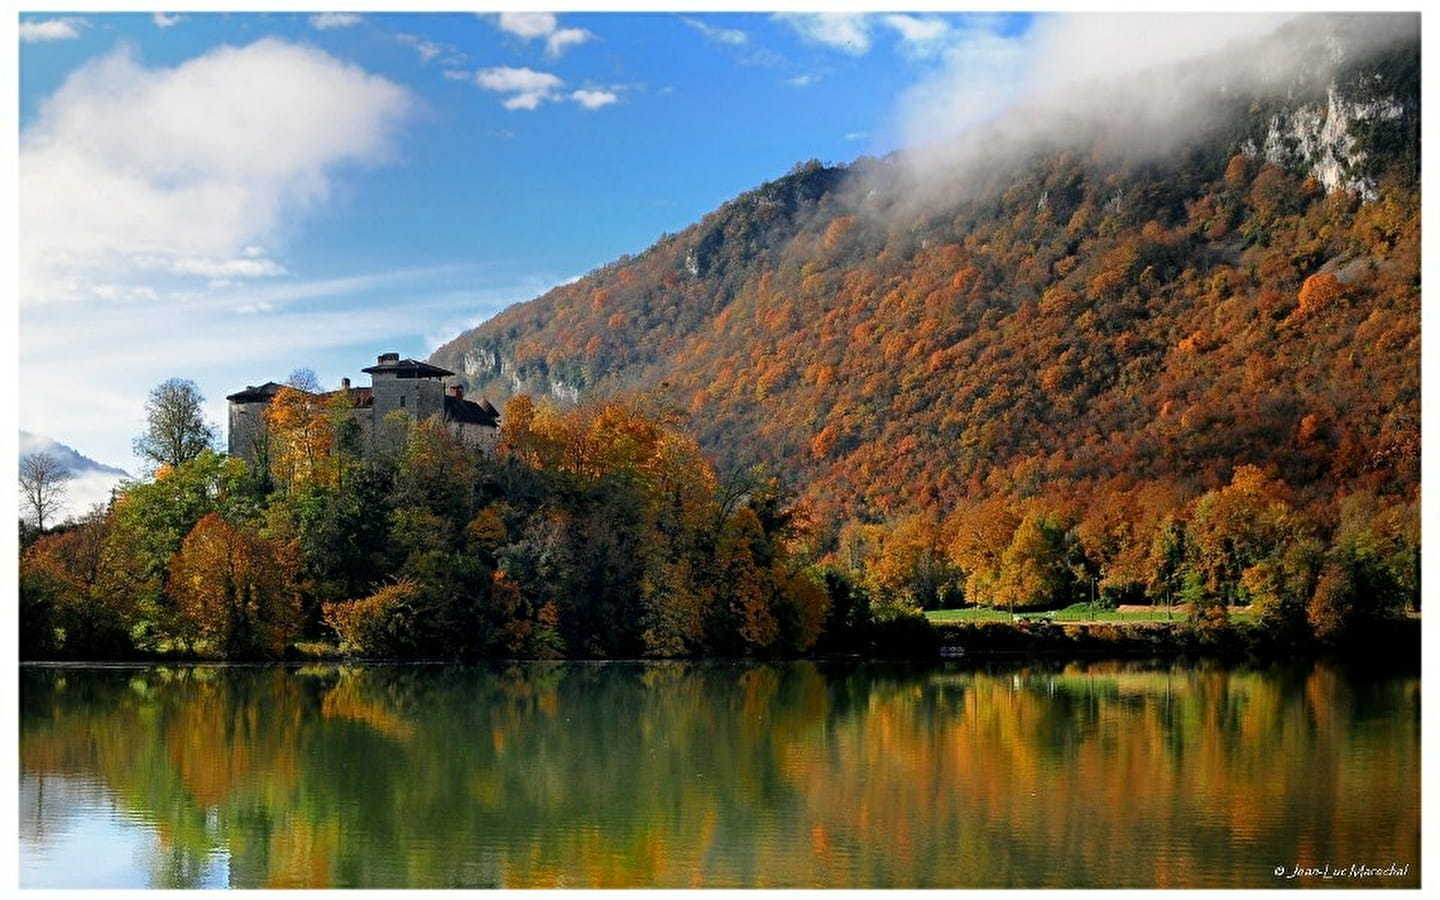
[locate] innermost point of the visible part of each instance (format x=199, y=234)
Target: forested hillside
x=1086, y=337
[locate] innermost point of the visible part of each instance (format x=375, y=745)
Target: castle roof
x=253, y=394
x=359, y=397
x=392, y=364
x=458, y=409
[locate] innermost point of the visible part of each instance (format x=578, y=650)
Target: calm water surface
x=717, y=775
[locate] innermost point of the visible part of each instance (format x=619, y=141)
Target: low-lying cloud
x=1150, y=82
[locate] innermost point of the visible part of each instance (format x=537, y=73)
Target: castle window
x=402, y=401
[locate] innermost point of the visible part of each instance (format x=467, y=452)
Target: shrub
x=377, y=625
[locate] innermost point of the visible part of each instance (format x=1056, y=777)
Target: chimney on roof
x=390, y=358
x=345, y=384
x=456, y=391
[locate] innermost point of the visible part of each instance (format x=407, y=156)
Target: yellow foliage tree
x=302, y=439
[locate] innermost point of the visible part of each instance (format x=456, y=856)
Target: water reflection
x=713, y=775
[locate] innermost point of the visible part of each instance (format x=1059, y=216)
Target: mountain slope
x=1075, y=322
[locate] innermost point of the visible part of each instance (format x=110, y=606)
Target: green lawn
x=1078, y=612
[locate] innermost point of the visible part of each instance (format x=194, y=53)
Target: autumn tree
x=910, y=567
x=71, y=606
x=175, y=427
x=236, y=587
x=302, y=439
x=151, y=520
x=741, y=620
x=1236, y=527
x=1318, y=292
x=983, y=533
x=1035, y=569
x=378, y=625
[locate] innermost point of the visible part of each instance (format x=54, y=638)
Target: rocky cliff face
x=1328, y=139
x=1349, y=109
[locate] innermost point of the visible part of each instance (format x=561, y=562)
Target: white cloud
x=732, y=36
x=527, y=25
x=593, y=99
x=848, y=32
x=917, y=30
x=527, y=88
x=800, y=81
x=49, y=30
x=130, y=176
x=85, y=491
x=563, y=39
x=428, y=50
x=920, y=37
x=531, y=25
x=165, y=20
x=229, y=270
x=327, y=20
x=1139, y=85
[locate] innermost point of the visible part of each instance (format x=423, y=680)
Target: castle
x=408, y=386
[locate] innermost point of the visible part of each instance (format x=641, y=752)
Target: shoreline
x=1396, y=642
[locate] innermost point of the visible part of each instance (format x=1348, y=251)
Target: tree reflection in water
x=719, y=775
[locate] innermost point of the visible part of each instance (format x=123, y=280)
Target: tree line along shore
x=602, y=531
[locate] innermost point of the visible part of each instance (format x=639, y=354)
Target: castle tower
x=415, y=387
x=248, y=436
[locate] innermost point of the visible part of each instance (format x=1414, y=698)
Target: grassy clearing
x=1077, y=612
x=969, y=614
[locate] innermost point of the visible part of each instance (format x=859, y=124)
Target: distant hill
x=1067, y=322
x=90, y=482
x=70, y=458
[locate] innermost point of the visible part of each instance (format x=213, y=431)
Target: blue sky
x=227, y=197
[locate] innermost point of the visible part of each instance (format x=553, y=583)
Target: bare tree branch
x=42, y=486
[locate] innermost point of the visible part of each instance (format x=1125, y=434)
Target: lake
x=682, y=775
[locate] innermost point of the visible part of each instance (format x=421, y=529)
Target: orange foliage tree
x=236, y=588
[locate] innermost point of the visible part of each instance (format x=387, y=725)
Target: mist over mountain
x=90, y=482
x=1137, y=281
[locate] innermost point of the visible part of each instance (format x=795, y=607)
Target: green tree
x=175, y=430
x=151, y=521
x=1370, y=572
x=1168, y=551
